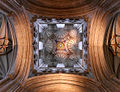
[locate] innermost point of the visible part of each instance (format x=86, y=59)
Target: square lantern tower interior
x=60, y=46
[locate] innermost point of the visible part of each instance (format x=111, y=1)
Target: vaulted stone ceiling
x=60, y=8
x=101, y=57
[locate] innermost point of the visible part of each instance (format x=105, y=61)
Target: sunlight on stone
x=60, y=65
x=40, y=45
x=60, y=25
x=80, y=45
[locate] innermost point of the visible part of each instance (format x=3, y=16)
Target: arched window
x=114, y=42
x=5, y=41
x=7, y=46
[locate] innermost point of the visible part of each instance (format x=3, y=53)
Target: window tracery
x=5, y=42
x=114, y=43
x=7, y=45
